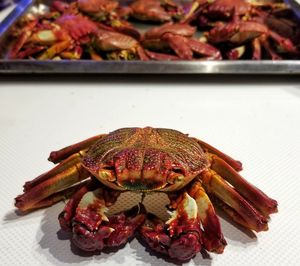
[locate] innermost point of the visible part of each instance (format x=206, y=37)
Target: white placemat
x=259, y=125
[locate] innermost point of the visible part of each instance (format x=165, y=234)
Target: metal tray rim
x=152, y=67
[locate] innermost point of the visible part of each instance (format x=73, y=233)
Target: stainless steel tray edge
x=151, y=67
x=18, y=11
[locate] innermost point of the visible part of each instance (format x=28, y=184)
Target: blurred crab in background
x=107, y=12
x=195, y=176
x=227, y=29
x=236, y=26
x=155, y=10
x=72, y=36
x=177, y=38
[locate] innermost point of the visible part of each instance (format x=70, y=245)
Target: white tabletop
x=258, y=124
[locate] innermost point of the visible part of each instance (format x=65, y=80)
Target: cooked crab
x=108, y=12
x=177, y=38
x=155, y=10
x=258, y=34
x=195, y=175
x=237, y=24
x=68, y=36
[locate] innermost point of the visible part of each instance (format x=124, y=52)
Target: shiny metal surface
x=151, y=67
x=136, y=67
x=295, y=5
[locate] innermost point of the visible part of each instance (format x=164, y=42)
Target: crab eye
x=175, y=176
x=177, y=170
x=109, y=168
x=107, y=174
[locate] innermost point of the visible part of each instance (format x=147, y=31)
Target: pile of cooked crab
x=197, y=178
x=176, y=30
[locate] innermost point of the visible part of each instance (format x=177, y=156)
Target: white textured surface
x=258, y=125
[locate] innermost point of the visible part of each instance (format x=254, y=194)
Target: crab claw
x=114, y=232
x=85, y=216
x=125, y=224
x=180, y=236
x=149, y=11
x=213, y=239
x=236, y=33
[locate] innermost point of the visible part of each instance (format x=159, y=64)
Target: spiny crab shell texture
x=143, y=159
x=196, y=177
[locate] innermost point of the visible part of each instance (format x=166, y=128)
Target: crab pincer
x=180, y=236
x=85, y=216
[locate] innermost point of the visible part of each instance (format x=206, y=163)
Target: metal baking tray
x=124, y=67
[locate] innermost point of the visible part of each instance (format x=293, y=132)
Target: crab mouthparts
x=132, y=180
x=138, y=186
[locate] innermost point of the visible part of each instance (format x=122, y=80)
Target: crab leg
x=57, y=156
x=229, y=211
x=64, y=165
x=75, y=54
x=237, y=165
x=54, y=50
x=256, y=49
x=94, y=55
x=63, y=178
x=161, y=56
x=180, y=236
x=142, y=53
x=192, y=12
x=179, y=45
x=29, y=51
x=62, y=195
x=259, y=199
x=24, y=36
x=215, y=184
x=204, y=49
x=213, y=239
x=284, y=43
x=265, y=43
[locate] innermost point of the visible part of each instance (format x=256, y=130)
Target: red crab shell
x=77, y=26
x=145, y=159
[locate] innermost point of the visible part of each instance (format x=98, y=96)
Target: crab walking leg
x=215, y=184
x=13, y=52
x=256, y=49
x=56, y=197
x=213, y=239
x=57, y=156
x=229, y=211
x=180, y=236
x=54, y=50
x=67, y=163
x=259, y=199
x=61, y=181
x=179, y=45
x=237, y=165
x=92, y=229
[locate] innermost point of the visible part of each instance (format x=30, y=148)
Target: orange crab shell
x=145, y=159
